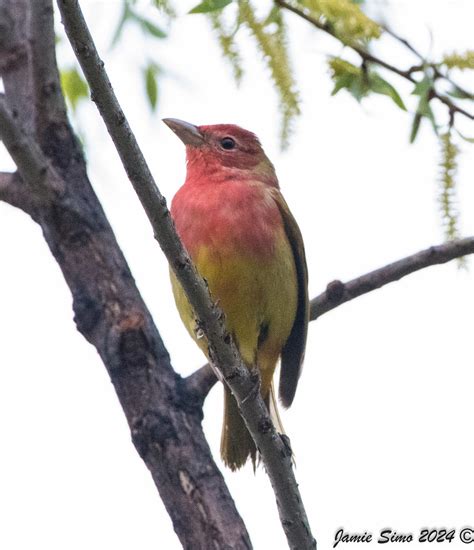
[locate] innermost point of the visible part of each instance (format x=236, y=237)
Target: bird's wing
x=292, y=354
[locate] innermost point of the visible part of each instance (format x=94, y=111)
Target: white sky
x=382, y=422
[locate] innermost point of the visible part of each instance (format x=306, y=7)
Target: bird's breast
x=230, y=218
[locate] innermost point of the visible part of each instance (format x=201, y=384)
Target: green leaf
x=343, y=81
x=465, y=138
x=210, y=5
x=415, y=126
x=129, y=15
x=151, y=28
x=423, y=90
x=359, y=87
x=74, y=86
x=381, y=86
x=457, y=93
x=151, y=84
x=126, y=13
x=423, y=87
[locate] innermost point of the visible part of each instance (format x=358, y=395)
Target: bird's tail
x=236, y=442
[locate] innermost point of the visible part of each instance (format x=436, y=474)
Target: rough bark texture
x=222, y=350
x=163, y=414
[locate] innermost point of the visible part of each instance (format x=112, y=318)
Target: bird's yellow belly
x=258, y=297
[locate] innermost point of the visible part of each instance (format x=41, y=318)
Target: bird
x=238, y=230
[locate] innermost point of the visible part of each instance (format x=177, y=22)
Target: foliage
x=270, y=36
x=423, y=90
x=269, y=33
x=228, y=45
x=74, y=86
x=210, y=5
x=343, y=19
x=151, y=72
x=360, y=81
x=130, y=15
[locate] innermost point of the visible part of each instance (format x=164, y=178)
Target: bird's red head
x=223, y=151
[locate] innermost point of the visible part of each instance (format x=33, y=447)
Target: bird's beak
x=187, y=133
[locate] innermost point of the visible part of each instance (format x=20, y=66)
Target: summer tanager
x=239, y=232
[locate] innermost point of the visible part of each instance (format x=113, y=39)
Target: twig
x=403, y=41
x=33, y=166
x=422, y=66
x=369, y=57
x=222, y=349
x=338, y=292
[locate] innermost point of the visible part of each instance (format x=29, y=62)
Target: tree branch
x=371, y=58
x=50, y=107
x=222, y=350
x=403, y=41
x=14, y=61
x=200, y=382
x=110, y=313
x=14, y=192
x=32, y=165
x=7, y=186
x=6, y=181
x=338, y=292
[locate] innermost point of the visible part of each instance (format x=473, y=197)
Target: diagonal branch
x=338, y=292
x=222, y=350
x=32, y=165
x=371, y=58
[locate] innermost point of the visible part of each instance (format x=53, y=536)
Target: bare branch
x=338, y=292
x=7, y=186
x=200, y=382
x=14, y=192
x=222, y=350
x=32, y=165
x=6, y=181
x=370, y=58
x=403, y=41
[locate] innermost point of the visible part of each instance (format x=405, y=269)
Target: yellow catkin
x=271, y=40
x=447, y=183
x=459, y=61
x=349, y=22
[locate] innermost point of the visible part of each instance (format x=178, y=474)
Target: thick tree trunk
x=164, y=411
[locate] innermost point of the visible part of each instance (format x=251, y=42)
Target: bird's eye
x=227, y=143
